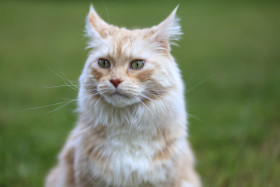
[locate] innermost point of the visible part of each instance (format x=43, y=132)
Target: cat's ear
x=168, y=31
x=96, y=28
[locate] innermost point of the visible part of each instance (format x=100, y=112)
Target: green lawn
x=230, y=60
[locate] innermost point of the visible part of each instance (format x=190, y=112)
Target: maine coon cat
x=132, y=121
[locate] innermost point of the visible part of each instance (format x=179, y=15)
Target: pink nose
x=116, y=82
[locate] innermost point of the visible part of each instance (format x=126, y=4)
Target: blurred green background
x=230, y=61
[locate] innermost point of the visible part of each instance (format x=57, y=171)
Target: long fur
x=137, y=137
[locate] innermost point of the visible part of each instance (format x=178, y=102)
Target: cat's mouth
x=119, y=98
x=118, y=94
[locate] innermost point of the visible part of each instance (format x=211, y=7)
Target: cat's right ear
x=96, y=28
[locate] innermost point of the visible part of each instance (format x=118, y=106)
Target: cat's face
x=127, y=67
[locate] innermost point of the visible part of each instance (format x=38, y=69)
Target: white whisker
x=193, y=116
x=68, y=82
x=159, y=99
x=153, y=116
x=93, y=106
x=193, y=73
x=68, y=102
x=169, y=107
x=204, y=80
x=45, y=106
x=59, y=86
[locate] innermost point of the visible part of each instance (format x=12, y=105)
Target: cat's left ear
x=168, y=31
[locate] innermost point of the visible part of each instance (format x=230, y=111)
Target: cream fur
x=138, y=139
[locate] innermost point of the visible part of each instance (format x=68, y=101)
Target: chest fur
x=124, y=158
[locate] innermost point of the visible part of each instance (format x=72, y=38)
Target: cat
x=131, y=130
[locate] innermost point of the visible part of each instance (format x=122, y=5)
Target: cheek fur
x=145, y=75
x=150, y=83
x=96, y=73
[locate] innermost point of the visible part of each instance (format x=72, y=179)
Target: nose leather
x=116, y=82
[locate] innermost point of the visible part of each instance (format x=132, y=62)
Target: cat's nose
x=116, y=82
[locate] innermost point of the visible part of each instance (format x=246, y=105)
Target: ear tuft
x=175, y=31
x=96, y=28
x=91, y=8
x=168, y=31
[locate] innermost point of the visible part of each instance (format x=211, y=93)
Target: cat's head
x=126, y=67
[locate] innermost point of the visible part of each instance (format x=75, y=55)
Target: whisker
x=64, y=85
x=45, y=106
x=169, y=107
x=91, y=108
x=204, y=80
x=193, y=116
x=65, y=80
x=96, y=102
x=91, y=90
x=190, y=78
x=71, y=85
x=153, y=116
x=70, y=81
x=68, y=102
x=163, y=103
x=59, y=103
x=154, y=119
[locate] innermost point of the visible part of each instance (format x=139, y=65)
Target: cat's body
x=132, y=120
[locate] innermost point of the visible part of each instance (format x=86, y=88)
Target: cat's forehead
x=124, y=43
x=117, y=34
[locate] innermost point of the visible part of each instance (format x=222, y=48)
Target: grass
x=229, y=58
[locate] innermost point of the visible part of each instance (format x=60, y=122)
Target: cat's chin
x=119, y=100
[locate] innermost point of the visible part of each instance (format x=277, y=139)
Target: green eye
x=103, y=63
x=137, y=64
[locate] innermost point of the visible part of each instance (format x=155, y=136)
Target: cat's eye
x=137, y=64
x=104, y=63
